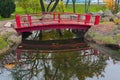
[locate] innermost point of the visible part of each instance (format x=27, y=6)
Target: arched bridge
x=26, y=23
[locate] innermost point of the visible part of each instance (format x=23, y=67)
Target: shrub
x=110, y=4
x=6, y=8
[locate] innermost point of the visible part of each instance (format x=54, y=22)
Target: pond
x=65, y=56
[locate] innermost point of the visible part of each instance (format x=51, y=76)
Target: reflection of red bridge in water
x=55, y=46
x=26, y=23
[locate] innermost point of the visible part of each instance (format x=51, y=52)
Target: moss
x=2, y=43
x=109, y=39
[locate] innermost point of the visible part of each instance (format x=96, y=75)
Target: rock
x=100, y=12
x=8, y=24
x=107, y=16
x=108, y=13
x=104, y=19
x=4, y=50
x=2, y=23
x=10, y=36
x=6, y=32
x=13, y=39
x=104, y=33
x=117, y=15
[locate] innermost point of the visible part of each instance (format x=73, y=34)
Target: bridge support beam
x=97, y=20
x=58, y=17
x=87, y=18
x=18, y=23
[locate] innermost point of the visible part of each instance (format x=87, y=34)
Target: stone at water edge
x=4, y=50
x=13, y=39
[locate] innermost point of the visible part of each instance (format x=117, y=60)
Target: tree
x=74, y=1
x=6, y=8
x=42, y=5
x=60, y=7
x=110, y=4
x=49, y=9
x=116, y=5
x=98, y=1
x=54, y=6
x=87, y=5
x=51, y=1
x=29, y=6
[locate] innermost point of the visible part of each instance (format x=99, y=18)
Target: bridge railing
x=55, y=18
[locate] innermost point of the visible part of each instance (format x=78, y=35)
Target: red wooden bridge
x=26, y=23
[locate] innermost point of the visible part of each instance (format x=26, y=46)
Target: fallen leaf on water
x=9, y=66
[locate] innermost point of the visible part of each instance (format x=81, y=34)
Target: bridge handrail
x=23, y=19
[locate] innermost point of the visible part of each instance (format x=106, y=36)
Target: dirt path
x=2, y=23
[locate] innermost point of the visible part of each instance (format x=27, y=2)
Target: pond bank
x=8, y=35
x=106, y=34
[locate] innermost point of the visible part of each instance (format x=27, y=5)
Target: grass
x=18, y=10
x=80, y=8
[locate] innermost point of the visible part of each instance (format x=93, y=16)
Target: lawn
x=80, y=8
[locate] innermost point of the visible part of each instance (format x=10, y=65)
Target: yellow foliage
x=117, y=21
x=110, y=4
x=60, y=7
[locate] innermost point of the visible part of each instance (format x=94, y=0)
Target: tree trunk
x=49, y=5
x=42, y=5
x=67, y=3
x=98, y=2
x=87, y=10
x=74, y=9
x=116, y=6
x=54, y=6
x=87, y=5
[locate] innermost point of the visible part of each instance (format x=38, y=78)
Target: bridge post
x=97, y=19
x=30, y=20
x=54, y=15
x=78, y=19
x=87, y=18
x=17, y=18
x=58, y=17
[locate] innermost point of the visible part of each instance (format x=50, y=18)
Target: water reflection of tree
x=72, y=65
x=61, y=66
